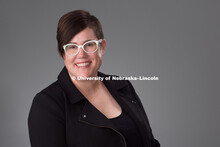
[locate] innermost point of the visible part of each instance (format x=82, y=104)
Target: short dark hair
x=74, y=22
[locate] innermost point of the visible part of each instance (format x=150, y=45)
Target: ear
x=103, y=47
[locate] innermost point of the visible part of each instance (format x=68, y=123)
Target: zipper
x=108, y=128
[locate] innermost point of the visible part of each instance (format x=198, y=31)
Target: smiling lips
x=82, y=64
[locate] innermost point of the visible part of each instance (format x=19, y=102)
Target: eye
x=90, y=44
x=72, y=47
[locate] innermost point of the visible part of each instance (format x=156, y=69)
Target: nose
x=81, y=53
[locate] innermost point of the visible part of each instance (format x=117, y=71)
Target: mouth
x=84, y=64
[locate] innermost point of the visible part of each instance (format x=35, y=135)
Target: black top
x=126, y=126
x=60, y=116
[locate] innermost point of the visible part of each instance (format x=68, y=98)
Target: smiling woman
x=87, y=113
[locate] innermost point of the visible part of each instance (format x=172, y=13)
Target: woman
x=74, y=112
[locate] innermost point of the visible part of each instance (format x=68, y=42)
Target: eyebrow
x=83, y=42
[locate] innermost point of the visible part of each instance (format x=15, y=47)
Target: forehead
x=83, y=36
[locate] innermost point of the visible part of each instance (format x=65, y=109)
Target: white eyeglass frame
x=82, y=46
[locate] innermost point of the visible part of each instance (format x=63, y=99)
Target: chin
x=85, y=74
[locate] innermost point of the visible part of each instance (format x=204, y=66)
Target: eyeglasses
x=88, y=47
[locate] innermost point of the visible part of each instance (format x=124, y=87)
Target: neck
x=87, y=87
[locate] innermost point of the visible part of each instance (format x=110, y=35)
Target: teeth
x=82, y=64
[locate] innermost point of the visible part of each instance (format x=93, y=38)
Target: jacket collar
x=74, y=94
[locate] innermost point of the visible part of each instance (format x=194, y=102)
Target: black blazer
x=60, y=116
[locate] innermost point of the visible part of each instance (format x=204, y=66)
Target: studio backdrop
x=174, y=40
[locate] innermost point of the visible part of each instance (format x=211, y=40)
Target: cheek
x=68, y=61
x=97, y=57
x=98, y=61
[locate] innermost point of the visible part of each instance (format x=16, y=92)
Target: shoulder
x=50, y=98
x=53, y=90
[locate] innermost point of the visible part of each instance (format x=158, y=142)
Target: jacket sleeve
x=46, y=122
x=154, y=142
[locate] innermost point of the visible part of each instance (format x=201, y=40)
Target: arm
x=46, y=122
x=154, y=142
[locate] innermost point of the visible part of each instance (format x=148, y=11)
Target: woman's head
x=77, y=33
x=74, y=22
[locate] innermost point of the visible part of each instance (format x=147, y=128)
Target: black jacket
x=60, y=116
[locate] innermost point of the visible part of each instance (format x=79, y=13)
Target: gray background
x=176, y=40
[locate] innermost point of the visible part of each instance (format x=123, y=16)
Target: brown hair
x=74, y=22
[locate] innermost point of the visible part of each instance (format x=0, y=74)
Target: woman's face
x=84, y=64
